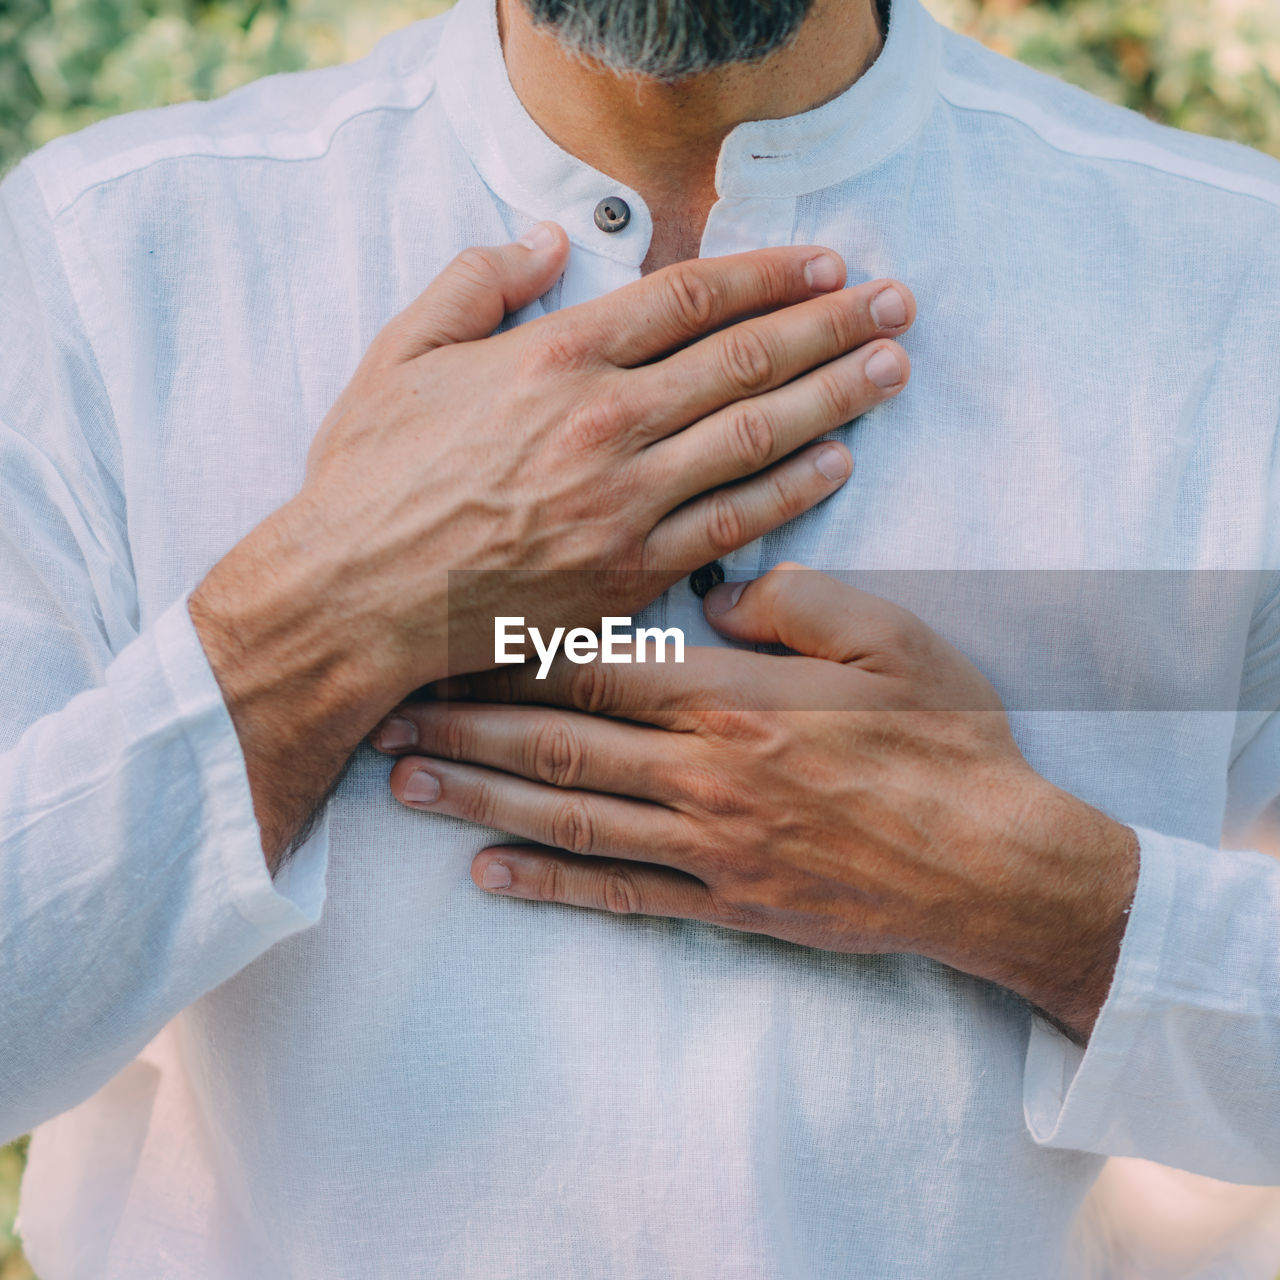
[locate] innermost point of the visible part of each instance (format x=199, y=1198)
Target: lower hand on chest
x=861, y=794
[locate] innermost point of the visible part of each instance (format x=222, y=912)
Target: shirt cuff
x=1070, y=1094
x=277, y=907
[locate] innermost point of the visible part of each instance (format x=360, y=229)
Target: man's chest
x=1025, y=441
x=967, y=469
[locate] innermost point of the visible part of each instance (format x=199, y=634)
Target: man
x=812, y=1048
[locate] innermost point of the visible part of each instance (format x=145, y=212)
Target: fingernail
x=722, y=597
x=497, y=875
x=889, y=309
x=422, y=787
x=884, y=370
x=396, y=731
x=823, y=273
x=538, y=239
x=832, y=463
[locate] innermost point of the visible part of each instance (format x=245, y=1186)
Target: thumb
x=809, y=612
x=470, y=298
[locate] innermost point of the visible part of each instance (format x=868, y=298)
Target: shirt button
x=702, y=580
x=612, y=214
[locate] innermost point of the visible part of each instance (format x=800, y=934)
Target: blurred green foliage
x=66, y=63
x=12, y=1265
x=1212, y=66
x=1208, y=65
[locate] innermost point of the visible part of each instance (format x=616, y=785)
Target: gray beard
x=669, y=40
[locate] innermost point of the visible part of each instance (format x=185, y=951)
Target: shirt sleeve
x=132, y=878
x=1183, y=1066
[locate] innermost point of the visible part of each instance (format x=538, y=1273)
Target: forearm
x=1050, y=926
x=1064, y=957
x=306, y=662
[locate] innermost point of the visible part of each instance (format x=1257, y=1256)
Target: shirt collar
x=788, y=157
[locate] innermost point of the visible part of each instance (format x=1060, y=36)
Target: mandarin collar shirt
x=370, y=1068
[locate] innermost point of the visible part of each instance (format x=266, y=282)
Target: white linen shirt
x=370, y=1068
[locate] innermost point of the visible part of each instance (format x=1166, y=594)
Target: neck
x=663, y=140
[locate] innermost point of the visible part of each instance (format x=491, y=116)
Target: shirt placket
x=736, y=224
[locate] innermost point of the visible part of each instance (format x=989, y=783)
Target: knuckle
x=731, y=717
x=776, y=590
x=556, y=755
x=549, y=884
x=632, y=583
x=748, y=359
x=787, y=577
x=498, y=685
x=692, y=298
x=618, y=892
x=477, y=266
x=900, y=631
x=845, y=324
x=781, y=276
x=726, y=524
x=452, y=737
x=478, y=804
x=598, y=420
x=506, y=685
x=716, y=795
x=774, y=277
x=729, y=914
x=571, y=826
x=835, y=395
x=589, y=687
x=788, y=497
x=751, y=438
x=550, y=351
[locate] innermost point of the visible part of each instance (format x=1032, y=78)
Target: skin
x=634, y=438
x=314, y=634
x=663, y=140
x=338, y=605
x=896, y=813
x=865, y=795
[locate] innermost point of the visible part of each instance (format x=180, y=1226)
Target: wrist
x=1092, y=904
x=1056, y=934
x=298, y=647
x=302, y=670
